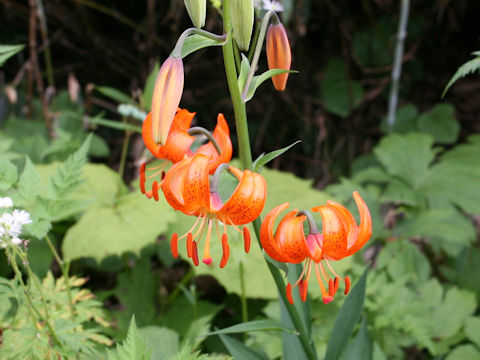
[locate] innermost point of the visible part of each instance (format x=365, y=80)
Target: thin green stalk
x=45, y=319
x=64, y=267
x=177, y=50
x=243, y=293
x=258, y=50
x=245, y=155
x=253, y=44
x=123, y=156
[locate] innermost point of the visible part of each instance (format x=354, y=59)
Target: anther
x=331, y=287
x=194, y=253
x=155, y=190
x=336, y=283
x=347, y=285
x=142, y=177
x=288, y=291
x=173, y=245
x=246, y=239
x=163, y=175
x=303, y=288
x=226, y=250
x=189, y=244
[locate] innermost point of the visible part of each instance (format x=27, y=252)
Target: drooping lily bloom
x=178, y=144
x=279, y=55
x=341, y=237
x=166, y=97
x=188, y=188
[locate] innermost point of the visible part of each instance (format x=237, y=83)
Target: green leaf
x=463, y=352
x=163, y=341
x=445, y=227
x=259, y=79
x=114, y=124
x=8, y=173
x=28, y=185
x=196, y=42
x=441, y=123
x=472, y=330
x=347, y=319
x=264, y=159
x=133, y=284
x=149, y=86
x=361, y=347
x=469, y=67
x=67, y=177
x=238, y=350
x=133, y=347
x=373, y=46
x=7, y=51
x=406, y=156
x=257, y=325
x=244, y=70
x=114, y=94
x=131, y=224
x=400, y=193
x=340, y=93
x=406, y=120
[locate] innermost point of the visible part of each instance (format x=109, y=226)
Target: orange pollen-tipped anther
x=195, y=253
x=303, y=288
x=246, y=239
x=189, y=244
x=331, y=287
x=173, y=245
x=163, y=175
x=347, y=285
x=155, y=190
x=142, y=177
x=335, y=284
x=226, y=251
x=288, y=291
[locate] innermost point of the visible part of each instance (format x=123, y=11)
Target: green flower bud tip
x=243, y=17
x=197, y=10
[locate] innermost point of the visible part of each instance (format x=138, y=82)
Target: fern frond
x=467, y=68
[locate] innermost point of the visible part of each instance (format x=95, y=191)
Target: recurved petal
x=166, y=97
x=196, y=185
x=290, y=238
x=247, y=201
x=267, y=238
x=334, y=233
x=222, y=136
x=172, y=185
x=348, y=221
x=365, y=227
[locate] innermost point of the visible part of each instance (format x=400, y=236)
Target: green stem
x=243, y=294
x=64, y=266
x=244, y=151
x=46, y=318
x=123, y=156
x=258, y=50
x=245, y=155
x=177, y=50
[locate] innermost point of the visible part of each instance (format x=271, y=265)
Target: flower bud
x=166, y=97
x=279, y=55
x=197, y=10
x=242, y=22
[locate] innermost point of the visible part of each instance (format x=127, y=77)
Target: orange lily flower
x=178, y=144
x=279, y=55
x=187, y=188
x=166, y=97
x=341, y=237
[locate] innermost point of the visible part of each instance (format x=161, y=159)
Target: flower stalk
x=245, y=155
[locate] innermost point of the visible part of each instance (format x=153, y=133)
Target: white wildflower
x=6, y=202
x=11, y=226
x=22, y=217
x=16, y=241
x=272, y=5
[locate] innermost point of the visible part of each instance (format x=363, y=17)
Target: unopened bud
x=197, y=10
x=242, y=22
x=73, y=87
x=279, y=55
x=11, y=93
x=166, y=97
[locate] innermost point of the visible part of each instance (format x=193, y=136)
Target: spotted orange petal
x=291, y=239
x=267, y=238
x=334, y=233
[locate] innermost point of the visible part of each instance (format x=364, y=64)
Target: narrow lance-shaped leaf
x=239, y=351
x=196, y=42
x=259, y=79
x=264, y=159
x=257, y=325
x=114, y=94
x=7, y=51
x=347, y=319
